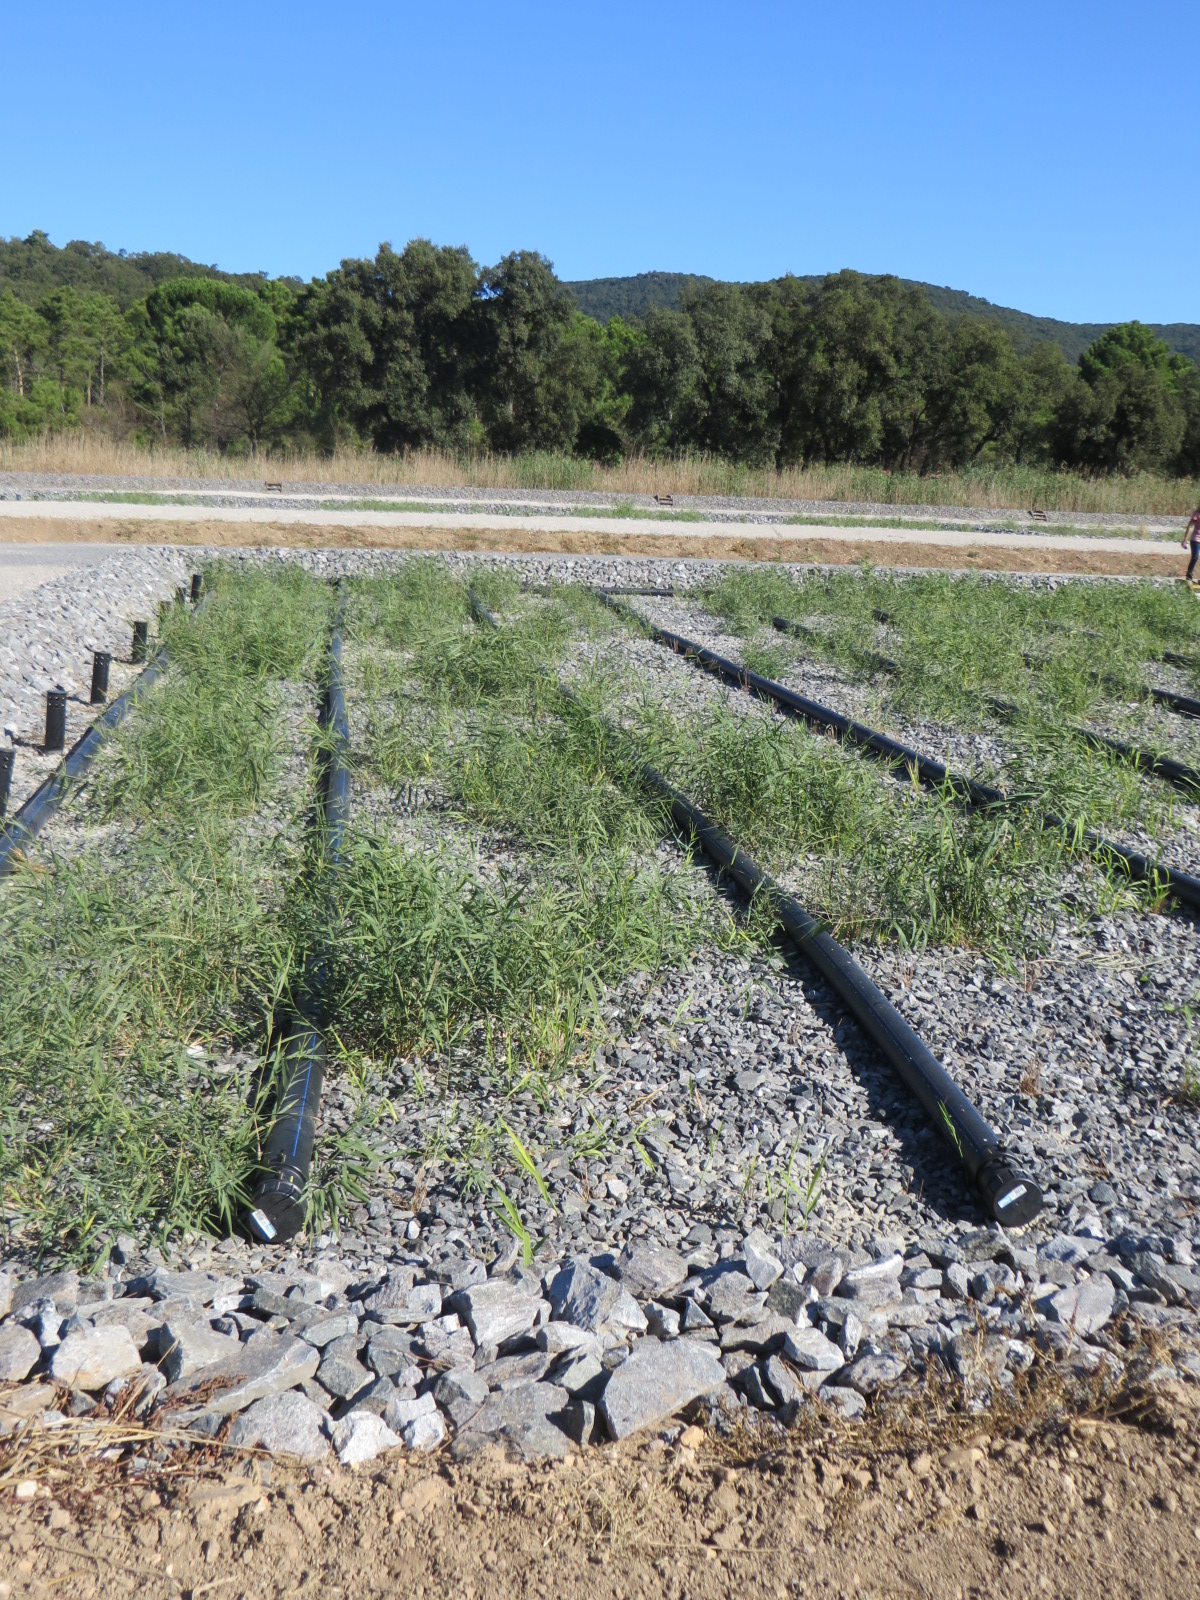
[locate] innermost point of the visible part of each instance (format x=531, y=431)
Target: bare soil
x=1099, y=1506
x=736, y=547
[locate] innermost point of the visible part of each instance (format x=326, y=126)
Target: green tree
x=660, y=374
x=1131, y=417
x=22, y=339
x=732, y=408
x=388, y=344
x=526, y=374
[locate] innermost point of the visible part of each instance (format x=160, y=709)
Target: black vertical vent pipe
x=49, y=795
x=278, y=1208
x=1183, y=886
x=1010, y=1196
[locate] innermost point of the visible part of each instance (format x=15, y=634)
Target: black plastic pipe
x=1011, y=1197
x=1182, y=704
x=48, y=796
x=6, y=772
x=1176, y=772
x=56, y=719
x=1182, y=885
x=137, y=653
x=197, y=586
x=799, y=631
x=277, y=1211
x=481, y=613
x=101, y=661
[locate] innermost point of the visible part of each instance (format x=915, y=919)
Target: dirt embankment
x=813, y=547
x=1100, y=1507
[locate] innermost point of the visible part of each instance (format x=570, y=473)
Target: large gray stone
x=555, y=1338
x=325, y=1327
x=390, y=1352
x=1084, y=1306
x=460, y=1394
x=286, y=1424
x=203, y=1287
x=6, y=1294
x=497, y=1310
x=763, y=1266
x=340, y=1370
x=446, y=1344
x=885, y=1269
x=872, y=1372
x=426, y=1432
x=268, y=1364
x=649, y=1271
x=810, y=1349
x=783, y=1382
x=92, y=1357
x=186, y=1347
x=656, y=1381
x=1178, y=1285
x=590, y=1299
x=400, y=1303
x=360, y=1436
x=509, y=1372
x=520, y=1418
x=582, y=1374
x=403, y=1409
x=60, y=1287
x=729, y=1295
x=19, y=1353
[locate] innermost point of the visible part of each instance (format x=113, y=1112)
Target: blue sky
x=1044, y=156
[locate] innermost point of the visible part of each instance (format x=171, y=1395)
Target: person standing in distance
x=1191, y=535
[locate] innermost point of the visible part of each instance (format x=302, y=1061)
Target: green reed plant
x=135, y=957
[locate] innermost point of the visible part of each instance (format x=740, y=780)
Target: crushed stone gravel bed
x=766, y=1226
x=251, y=492
x=48, y=635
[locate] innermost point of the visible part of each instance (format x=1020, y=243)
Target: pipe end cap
x=277, y=1213
x=1012, y=1198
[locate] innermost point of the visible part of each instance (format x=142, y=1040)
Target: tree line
x=425, y=348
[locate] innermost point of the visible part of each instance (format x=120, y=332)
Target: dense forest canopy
x=641, y=292
x=424, y=347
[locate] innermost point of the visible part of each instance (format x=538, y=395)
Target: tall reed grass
x=1000, y=488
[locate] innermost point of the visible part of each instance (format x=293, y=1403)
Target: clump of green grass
x=117, y=953
x=959, y=641
x=479, y=711
x=878, y=861
x=964, y=648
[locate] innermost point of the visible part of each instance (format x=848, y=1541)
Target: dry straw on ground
x=996, y=489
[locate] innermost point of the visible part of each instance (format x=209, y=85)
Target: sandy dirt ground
x=828, y=546
x=1106, y=1505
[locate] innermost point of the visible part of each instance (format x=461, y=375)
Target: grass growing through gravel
x=578, y=901
x=952, y=647
x=143, y=942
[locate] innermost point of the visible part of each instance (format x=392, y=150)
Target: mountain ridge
x=638, y=293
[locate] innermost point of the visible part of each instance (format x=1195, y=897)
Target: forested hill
x=603, y=298
x=425, y=347
x=33, y=268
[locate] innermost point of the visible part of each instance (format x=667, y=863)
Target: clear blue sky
x=1043, y=155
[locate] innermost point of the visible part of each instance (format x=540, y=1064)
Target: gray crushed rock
x=692, y=1278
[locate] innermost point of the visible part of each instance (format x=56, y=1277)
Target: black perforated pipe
x=1011, y=1197
x=277, y=1212
x=1183, y=886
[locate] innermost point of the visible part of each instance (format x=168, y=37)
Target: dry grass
x=993, y=489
